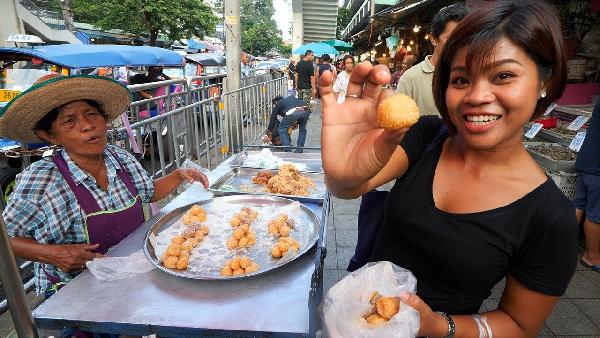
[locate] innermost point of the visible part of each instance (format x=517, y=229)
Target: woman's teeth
x=480, y=120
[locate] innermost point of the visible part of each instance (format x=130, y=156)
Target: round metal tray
x=306, y=232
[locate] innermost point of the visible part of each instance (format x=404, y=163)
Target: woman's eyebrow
x=488, y=66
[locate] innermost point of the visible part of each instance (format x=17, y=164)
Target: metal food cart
x=280, y=303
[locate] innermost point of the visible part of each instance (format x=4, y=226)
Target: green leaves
x=175, y=19
x=259, y=30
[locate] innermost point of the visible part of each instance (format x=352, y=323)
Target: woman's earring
x=543, y=94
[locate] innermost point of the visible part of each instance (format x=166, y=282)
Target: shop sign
x=577, y=141
x=533, y=130
x=578, y=122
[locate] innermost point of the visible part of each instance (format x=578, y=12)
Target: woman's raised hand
x=354, y=147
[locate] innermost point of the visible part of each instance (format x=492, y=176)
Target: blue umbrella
x=319, y=48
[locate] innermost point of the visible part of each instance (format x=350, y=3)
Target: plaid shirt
x=44, y=208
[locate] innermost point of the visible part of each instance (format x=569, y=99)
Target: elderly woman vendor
x=75, y=205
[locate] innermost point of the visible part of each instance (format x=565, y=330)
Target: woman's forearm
x=32, y=250
x=501, y=324
x=165, y=185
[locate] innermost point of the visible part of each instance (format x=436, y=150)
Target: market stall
x=279, y=299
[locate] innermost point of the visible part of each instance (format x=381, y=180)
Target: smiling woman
x=469, y=206
x=75, y=205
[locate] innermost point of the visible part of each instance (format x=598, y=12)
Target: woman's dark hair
x=326, y=58
x=447, y=14
x=276, y=99
x=45, y=123
x=347, y=57
x=532, y=25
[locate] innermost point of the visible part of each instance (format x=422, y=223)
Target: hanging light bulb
x=412, y=42
x=384, y=55
x=401, y=41
x=416, y=29
x=408, y=48
x=426, y=36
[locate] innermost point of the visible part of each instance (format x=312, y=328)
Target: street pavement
x=577, y=313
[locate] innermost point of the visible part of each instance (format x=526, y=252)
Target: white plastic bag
x=348, y=300
x=115, y=268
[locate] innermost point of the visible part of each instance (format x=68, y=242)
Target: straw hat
x=20, y=115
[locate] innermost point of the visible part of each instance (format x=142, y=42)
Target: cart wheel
x=7, y=183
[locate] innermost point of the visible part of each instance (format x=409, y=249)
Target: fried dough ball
x=232, y=243
x=187, y=219
x=238, y=234
x=187, y=246
x=238, y=272
x=173, y=249
x=199, y=235
x=182, y=263
x=196, y=209
x=171, y=262
x=235, y=263
x=235, y=222
x=397, y=112
x=284, y=231
x=204, y=229
x=252, y=267
x=226, y=271
x=375, y=319
x=387, y=307
x=178, y=239
x=243, y=242
x=276, y=252
x=184, y=254
x=244, y=262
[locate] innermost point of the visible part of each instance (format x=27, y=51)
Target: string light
x=416, y=29
x=412, y=42
x=427, y=37
x=408, y=48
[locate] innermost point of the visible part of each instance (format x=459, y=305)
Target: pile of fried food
x=239, y=265
x=383, y=309
x=178, y=252
x=287, y=182
x=243, y=236
x=282, y=247
x=281, y=225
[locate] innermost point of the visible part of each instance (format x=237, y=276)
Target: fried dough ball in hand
x=375, y=319
x=397, y=112
x=387, y=307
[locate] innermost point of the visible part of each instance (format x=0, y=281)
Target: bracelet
x=451, y=325
x=480, y=328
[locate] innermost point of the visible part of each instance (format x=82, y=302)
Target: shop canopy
x=319, y=48
x=340, y=45
x=90, y=56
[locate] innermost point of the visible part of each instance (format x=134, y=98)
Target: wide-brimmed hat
x=20, y=116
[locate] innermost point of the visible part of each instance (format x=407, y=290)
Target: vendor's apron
x=104, y=227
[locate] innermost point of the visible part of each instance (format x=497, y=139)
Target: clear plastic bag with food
x=366, y=304
x=115, y=268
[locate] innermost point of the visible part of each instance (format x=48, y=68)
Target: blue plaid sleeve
x=141, y=179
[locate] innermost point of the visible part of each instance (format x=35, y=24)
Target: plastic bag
x=115, y=268
x=348, y=300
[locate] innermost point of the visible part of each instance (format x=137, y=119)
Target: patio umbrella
x=319, y=48
x=340, y=45
x=207, y=59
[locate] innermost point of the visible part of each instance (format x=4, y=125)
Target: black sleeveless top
x=458, y=258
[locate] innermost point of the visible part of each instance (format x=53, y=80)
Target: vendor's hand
x=192, y=175
x=431, y=323
x=354, y=148
x=72, y=257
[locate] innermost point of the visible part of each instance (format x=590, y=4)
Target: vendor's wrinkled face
x=489, y=105
x=349, y=65
x=80, y=128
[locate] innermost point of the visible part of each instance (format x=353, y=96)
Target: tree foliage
x=259, y=30
x=343, y=19
x=175, y=19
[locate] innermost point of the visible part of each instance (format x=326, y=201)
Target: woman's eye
x=460, y=81
x=504, y=76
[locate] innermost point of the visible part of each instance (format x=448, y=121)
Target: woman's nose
x=479, y=93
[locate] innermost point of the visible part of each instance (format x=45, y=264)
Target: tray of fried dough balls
x=231, y=237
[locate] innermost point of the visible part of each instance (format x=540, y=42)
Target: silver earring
x=543, y=94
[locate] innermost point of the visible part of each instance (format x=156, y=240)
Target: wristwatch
x=451, y=326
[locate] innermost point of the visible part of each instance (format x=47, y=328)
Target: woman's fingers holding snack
x=378, y=77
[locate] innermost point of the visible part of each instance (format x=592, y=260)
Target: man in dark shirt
x=155, y=74
x=587, y=192
x=305, y=78
x=292, y=111
x=292, y=72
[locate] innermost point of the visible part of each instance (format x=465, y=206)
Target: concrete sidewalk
x=577, y=313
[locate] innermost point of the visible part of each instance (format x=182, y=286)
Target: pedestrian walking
x=341, y=82
x=305, y=78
